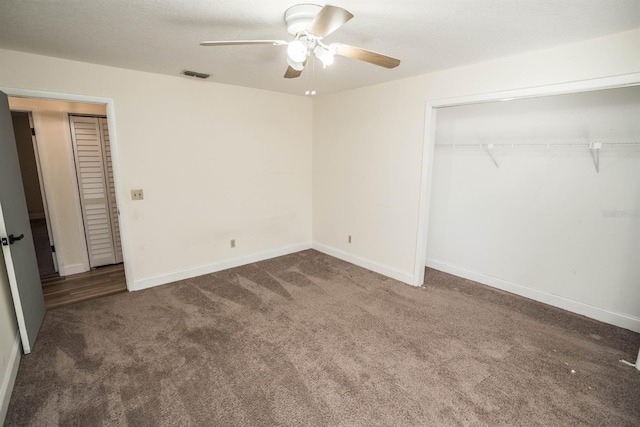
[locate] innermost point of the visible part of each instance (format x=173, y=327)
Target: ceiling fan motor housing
x=299, y=17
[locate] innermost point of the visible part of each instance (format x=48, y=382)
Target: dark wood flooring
x=103, y=281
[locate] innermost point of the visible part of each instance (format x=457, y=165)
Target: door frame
x=115, y=158
x=45, y=192
x=508, y=95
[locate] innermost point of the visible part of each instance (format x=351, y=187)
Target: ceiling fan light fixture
x=324, y=55
x=297, y=51
x=310, y=24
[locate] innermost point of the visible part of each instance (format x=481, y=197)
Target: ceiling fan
x=309, y=24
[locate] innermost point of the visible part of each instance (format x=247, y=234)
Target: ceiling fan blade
x=291, y=73
x=329, y=19
x=241, y=42
x=366, y=55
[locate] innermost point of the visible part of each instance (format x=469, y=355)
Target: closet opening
x=534, y=191
x=75, y=222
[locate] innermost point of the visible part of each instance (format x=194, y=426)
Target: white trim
x=425, y=194
x=115, y=160
x=163, y=279
x=606, y=316
x=365, y=263
x=58, y=96
x=9, y=378
x=539, y=91
x=68, y=270
x=123, y=222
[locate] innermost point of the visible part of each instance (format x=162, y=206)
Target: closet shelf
x=593, y=146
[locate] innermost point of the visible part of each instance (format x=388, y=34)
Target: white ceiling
x=163, y=36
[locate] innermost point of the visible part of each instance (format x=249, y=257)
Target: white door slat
x=89, y=157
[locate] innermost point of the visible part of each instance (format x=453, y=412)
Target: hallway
x=60, y=291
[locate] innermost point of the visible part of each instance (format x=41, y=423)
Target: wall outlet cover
x=137, y=194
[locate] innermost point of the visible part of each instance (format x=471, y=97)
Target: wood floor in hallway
x=60, y=291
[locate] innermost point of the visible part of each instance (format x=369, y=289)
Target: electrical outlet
x=349, y=238
x=137, y=194
x=233, y=243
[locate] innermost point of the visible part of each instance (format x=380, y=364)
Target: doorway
x=26, y=144
x=73, y=161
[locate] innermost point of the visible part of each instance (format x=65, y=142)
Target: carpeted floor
x=307, y=339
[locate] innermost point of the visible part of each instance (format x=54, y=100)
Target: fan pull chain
x=311, y=92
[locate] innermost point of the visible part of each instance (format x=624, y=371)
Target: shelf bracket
x=489, y=149
x=595, y=147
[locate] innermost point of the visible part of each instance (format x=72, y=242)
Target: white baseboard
x=364, y=263
x=9, y=378
x=69, y=269
x=150, y=282
x=606, y=316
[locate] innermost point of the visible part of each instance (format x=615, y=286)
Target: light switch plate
x=137, y=194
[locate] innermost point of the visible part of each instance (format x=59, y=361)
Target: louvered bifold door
x=111, y=188
x=85, y=132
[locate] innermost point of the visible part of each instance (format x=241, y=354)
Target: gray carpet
x=307, y=339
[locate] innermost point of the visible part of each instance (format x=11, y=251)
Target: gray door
x=15, y=236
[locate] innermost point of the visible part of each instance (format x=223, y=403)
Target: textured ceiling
x=163, y=36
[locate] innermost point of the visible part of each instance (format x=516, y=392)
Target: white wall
x=8, y=335
x=541, y=220
x=187, y=144
x=51, y=121
x=368, y=143
x=216, y=162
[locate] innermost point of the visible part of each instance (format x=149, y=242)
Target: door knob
x=15, y=239
x=11, y=240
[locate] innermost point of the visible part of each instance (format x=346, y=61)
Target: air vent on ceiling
x=196, y=74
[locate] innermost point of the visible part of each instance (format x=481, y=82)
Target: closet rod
x=541, y=144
